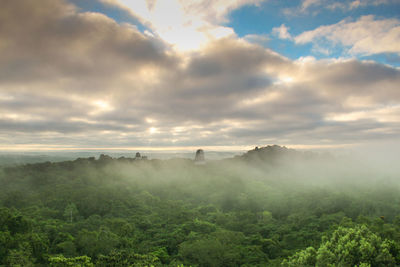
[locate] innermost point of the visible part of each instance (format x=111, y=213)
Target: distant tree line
x=270, y=207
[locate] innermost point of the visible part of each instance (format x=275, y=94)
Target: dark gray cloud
x=81, y=79
x=360, y=79
x=223, y=57
x=50, y=40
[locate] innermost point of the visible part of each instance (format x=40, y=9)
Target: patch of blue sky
x=381, y=11
x=289, y=49
x=118, y=14
x=260, y=20
x=391, y=59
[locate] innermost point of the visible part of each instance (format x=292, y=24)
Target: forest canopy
x=271, y=206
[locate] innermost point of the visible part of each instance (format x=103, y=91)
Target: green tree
x=5, y=242
x=348, y=247
x=127, y=258
x=70, y=212
x=61, y=261
x=21, y=257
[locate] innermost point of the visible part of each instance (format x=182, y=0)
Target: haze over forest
x=221, y=75
x=271, y=206
x=199, y=133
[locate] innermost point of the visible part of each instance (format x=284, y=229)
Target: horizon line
x=219, y=148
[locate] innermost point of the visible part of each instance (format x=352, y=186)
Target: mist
x=128, y=133
x=262, y=207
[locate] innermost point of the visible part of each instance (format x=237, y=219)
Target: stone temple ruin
x=140, y=157
x=199, y=158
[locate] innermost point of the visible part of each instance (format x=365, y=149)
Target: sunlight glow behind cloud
x=187, y=25
x=83, y=79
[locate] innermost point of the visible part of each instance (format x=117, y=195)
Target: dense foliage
x=270, y=207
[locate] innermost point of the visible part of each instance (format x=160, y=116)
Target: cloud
x=366, y=36
x=79, y=79
x=261, y=39
x=57, y=42
x=315, y=7
x=309, y=3
x=185, y=24
x=282, y=32
x=354, y=4
x=355, y=84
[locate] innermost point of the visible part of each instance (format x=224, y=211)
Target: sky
x=182, y=74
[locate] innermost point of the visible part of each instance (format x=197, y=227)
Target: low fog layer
x=258, y=208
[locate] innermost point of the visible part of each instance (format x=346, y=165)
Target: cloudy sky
x=170, y=74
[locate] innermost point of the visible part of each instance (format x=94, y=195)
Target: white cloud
x=84, y=80
x=261, y=39
x=316, y=6
x=282, y=32
x=365, y=36
x=306, y=4
x=350, y=5
x=390, y=113
x=187, y=25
